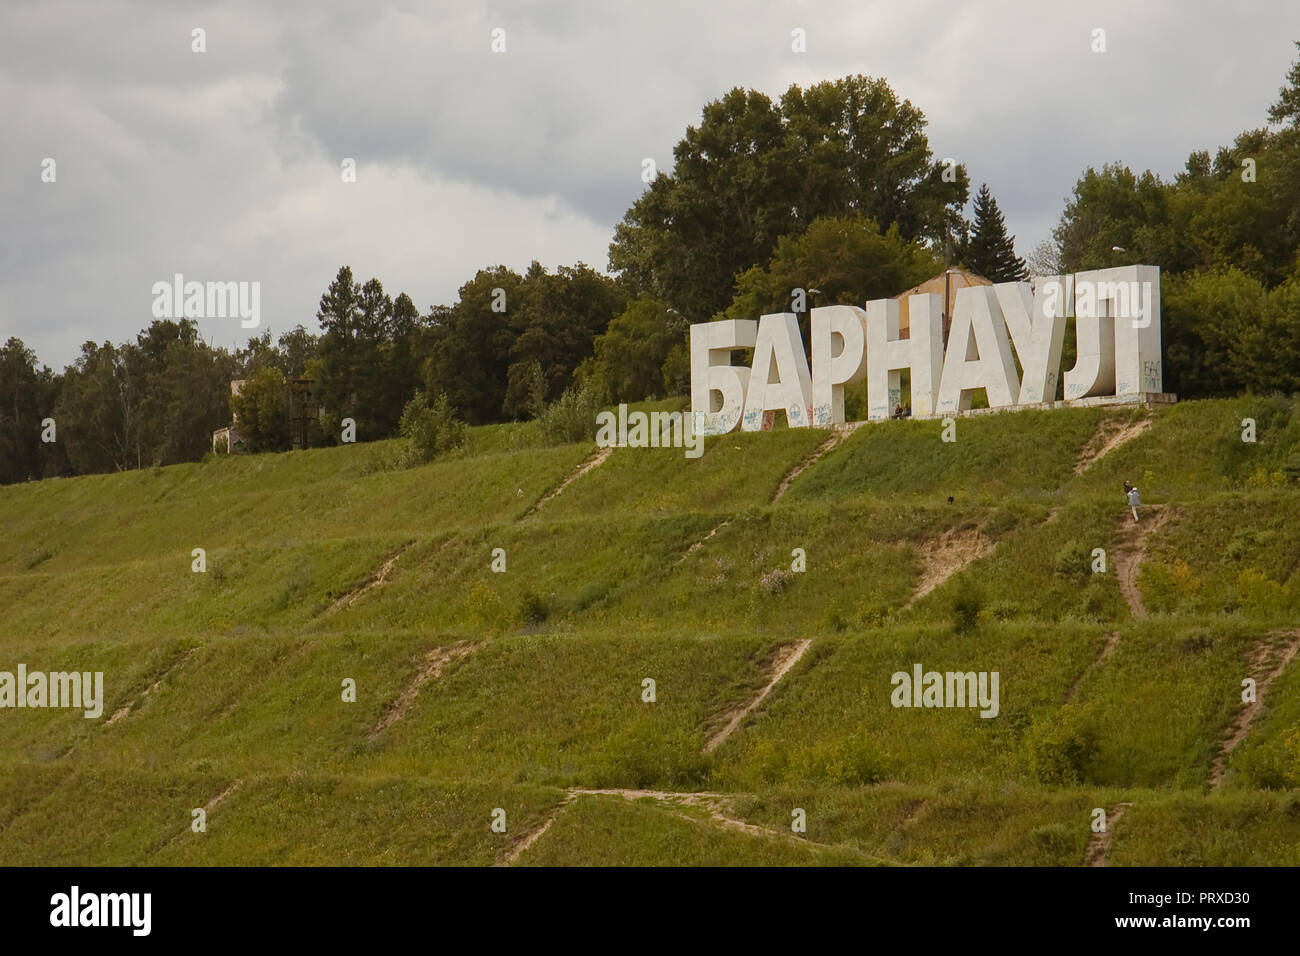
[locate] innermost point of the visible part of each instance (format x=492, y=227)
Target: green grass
x=657, y=566
x=1181, y=830
x=910, y=458
x=967, y=825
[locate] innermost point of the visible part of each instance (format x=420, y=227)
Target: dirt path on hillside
x=945, y=556
x=537, y=833
x=786, y=658
x=592, y=461
x=1112, y=641
x=1132, y=551
x=434, y=662
x=127, y=708
x=839, y=433
x=1099, y=846
x=1110, y=434
x=376, y=580
x=208, y=807
x=1265, y=652
x=715, y=804
x=207, y=811
x=699, y=544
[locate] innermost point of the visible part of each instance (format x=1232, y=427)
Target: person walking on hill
x=1133, y=500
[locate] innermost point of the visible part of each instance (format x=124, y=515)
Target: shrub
x=1274, y=765
x=572, y=416
x=429, y=429
x=484, y=606
x=1261, y=477
x=833, y=619
x=861, y=762
x=532, y=609
x=1074, y=561
x=1240, y=545
x=869, y=614
x=1060, y=752
x=649, y=755
x=854, y=762
x=1095, y=599
x=966, y=605
x=1260, y=593
x=771, y=758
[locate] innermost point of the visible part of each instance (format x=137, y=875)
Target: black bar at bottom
x=613, y=908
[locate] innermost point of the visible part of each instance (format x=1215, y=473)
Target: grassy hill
x=479, y=692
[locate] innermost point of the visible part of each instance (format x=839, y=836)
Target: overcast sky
x=225, y=165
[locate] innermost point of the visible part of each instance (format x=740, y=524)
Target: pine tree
x=989, y=251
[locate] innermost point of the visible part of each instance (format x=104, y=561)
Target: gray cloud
x=225, y=165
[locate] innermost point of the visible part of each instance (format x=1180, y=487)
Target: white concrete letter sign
x=832, y=368
x=717, y=387
x=1117, y=329
x=1036, y=321
x=888, y=355
x=979, y=353
x=780, y=377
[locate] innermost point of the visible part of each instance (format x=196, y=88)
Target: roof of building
x=960, y=279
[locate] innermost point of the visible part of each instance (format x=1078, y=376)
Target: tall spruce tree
x=989, y=251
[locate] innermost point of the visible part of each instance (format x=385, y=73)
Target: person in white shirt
x=1134, y=501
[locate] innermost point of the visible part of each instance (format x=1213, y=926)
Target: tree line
x=831, y=191
x=1225, y=233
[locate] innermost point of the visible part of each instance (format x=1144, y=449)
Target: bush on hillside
x=854, y=762
x=967, y=603
x=1074, y=561
x=532, y=609
x=1060, y=752
x=650, y=755
x=572, y=416
x=428, y=429
x=1273, y=764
